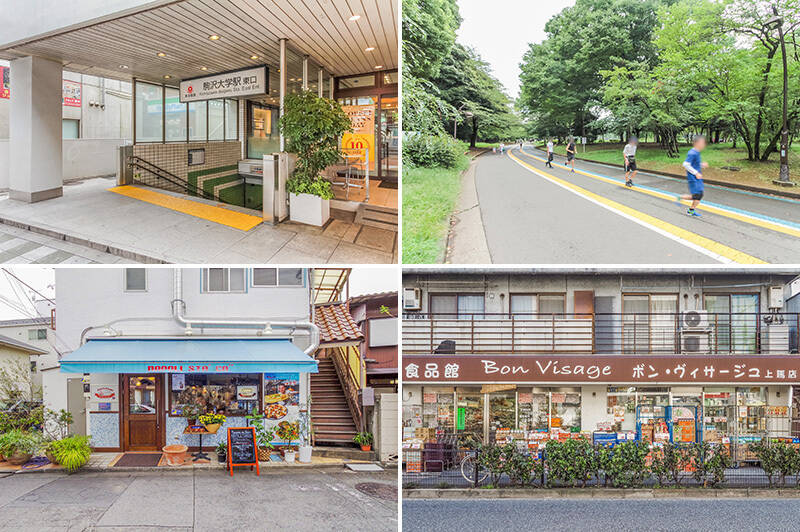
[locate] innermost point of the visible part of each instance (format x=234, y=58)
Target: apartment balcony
x=696, y=333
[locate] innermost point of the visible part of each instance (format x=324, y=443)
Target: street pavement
x=195, y=501
x=20, y=246
x=604, y=515
x=537, y=215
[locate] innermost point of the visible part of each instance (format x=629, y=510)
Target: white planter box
x=289, y=457
x=309, y=209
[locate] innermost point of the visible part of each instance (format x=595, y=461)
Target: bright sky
x=501, y=30
x=363, y=280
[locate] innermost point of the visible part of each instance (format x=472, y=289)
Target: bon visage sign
x=234, y=84
x=620, y=369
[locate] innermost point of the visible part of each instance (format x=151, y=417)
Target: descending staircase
x=331, y=419
x=377, y=216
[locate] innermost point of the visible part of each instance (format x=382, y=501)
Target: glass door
x=389, y=139
x=142, y=414
x=263, y=137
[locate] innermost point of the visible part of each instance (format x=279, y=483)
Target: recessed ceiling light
x=167, y=76
x=124, y=67
x=254, y=57
x=378, y=67
x=161, y=54
x=354, y=18
x=369, y=49
x=203, y=68
x=214, y=37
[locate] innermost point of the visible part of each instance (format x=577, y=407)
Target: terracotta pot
x=366, y=447
x=18, y=458
x=176, y=454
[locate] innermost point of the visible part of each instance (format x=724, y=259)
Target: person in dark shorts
x=571, y=153
x=549, y=153
x=694, y=174
x=629, y=156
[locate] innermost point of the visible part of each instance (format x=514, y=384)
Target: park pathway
x=538, y=215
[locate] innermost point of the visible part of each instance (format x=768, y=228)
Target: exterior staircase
x=377, y=216
x=331, y=420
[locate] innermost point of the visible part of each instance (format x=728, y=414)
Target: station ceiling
x=129, y=46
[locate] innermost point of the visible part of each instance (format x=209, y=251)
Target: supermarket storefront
x=683, y=399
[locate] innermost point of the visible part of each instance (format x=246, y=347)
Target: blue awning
x=195, y=355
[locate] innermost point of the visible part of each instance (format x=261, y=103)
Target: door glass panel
x=502, y=412
x=469, y=416
x=663, y=310
x=389, y=129
x=744, y=322
x=361, y=111
x=719, y=307
x=142, y=395
x=636, y=323
x=175, y=125
x=263, y=137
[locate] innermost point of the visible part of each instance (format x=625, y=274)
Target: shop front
x=656, y=399
x=143, y=393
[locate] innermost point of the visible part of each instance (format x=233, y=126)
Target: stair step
x=344, y=452
x=376, y=216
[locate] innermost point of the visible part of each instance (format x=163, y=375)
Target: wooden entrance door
x=142, y=412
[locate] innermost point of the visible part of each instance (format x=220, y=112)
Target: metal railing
x=147, y=173
x=628, y=333
x=350, y=368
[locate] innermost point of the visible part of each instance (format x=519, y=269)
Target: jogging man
x=694, y=174
x=502, y=148
x=549, y=153
x=571, y=153
x=629, y=156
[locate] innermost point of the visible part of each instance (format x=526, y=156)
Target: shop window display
x=621, y=408
x=566, y=411
x=534, y=408
x=469, y=416
x=437, y=410
x=502, y=412
x=232, y=395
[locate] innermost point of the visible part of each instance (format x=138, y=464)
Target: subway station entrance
x=219, y=144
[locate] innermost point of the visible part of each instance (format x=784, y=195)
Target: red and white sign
x=71, y=93
x=106, y=393
x=5, y=89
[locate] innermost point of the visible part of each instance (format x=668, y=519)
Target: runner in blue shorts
x=694, y=174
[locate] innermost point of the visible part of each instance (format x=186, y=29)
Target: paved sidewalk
x=91, y=215
x=197, y=500
x=19, y=246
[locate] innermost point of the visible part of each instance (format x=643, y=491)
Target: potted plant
x=19, y=446
x=364, y=439
x=212, y=422
x=304, y=424
x=264, y=436
x=72, y=452
x=289, y=454
x=191, y=412
x=313, y=127
x=288, y=432
x=222, y=452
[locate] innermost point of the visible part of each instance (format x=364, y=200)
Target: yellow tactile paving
x=212, y=213
x=720, y=251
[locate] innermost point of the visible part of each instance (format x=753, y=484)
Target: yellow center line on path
x=212, y=213
x=704, y=245
x=765, y=224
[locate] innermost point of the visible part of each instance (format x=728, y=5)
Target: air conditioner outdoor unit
x=695, y=343
x=694, y=319
x=412, y=299
x=775, y=339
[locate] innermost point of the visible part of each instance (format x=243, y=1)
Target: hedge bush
x=432, y=150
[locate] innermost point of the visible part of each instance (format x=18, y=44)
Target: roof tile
x=336, y=324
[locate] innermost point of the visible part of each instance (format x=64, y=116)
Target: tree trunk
x=473, y=139
x=762, y=96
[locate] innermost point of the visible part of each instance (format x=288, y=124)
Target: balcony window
x=733, y=320
x=649, y=323
x=37, y=334
x=461, y=306
x=529, y=306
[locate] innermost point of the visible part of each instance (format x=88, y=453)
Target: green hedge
x=432, y=150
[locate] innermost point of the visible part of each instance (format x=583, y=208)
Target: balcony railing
x=640, y=333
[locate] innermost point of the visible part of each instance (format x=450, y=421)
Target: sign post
x=242, y=448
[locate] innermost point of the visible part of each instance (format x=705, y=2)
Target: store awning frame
x=188, y=355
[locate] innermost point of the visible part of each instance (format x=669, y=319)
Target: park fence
x=627, y=465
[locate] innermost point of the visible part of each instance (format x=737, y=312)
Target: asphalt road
x=537, y=215
x=195, y=501
x=604, y=515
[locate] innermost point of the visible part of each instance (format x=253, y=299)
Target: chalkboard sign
x=242, y=450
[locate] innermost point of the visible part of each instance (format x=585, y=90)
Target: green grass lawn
x=651, y=157
x=487, y=144
x=429, y=197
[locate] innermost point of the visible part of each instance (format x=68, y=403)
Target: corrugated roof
x=336, y=324
x=22, y=346
x=25, y=321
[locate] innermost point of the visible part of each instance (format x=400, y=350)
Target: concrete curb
x=91, y=244
x=601, y=493
x=739, y=186
x=183, y=469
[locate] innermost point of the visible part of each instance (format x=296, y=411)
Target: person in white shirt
x=629, y=160
x=549, y=161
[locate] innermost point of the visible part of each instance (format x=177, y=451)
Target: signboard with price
x=362, y=117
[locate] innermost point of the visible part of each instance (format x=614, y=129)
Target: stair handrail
x=351, y=383
x=134, y=161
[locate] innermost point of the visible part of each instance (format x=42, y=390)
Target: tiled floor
x=378, y=195
x=19, y=246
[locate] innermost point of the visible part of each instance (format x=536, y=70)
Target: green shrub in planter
x=72, y=452
x=571, y=462
x=602, y=461
x=777, y=460
x=313, y=127
x=431, y=150
x=626, y=466
x=718, y=463
x=522, y=469
x=490, y=458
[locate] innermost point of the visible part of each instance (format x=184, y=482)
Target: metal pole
x=282, y=87
x=305, y=72
x=319, y=83
x=784, y=173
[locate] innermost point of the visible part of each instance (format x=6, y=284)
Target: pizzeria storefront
x=142, y=393
x=726, y=400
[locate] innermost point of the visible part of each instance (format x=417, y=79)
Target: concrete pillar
x=330, y=88
x=282, y=86
x=35, y=134
x=305, y=72
x=319, y=83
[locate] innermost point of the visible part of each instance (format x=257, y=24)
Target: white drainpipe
x=239, y=323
